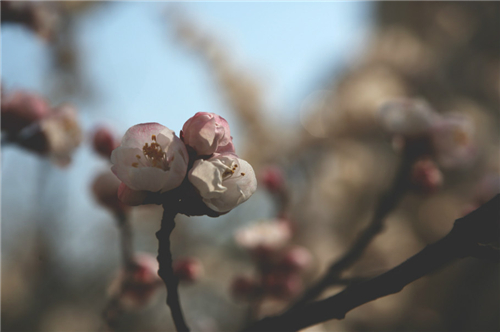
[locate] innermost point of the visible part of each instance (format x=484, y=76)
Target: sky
x=140, y=73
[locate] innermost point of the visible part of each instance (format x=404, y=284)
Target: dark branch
x=479, y=229
x=166, y=271
x=386, y=204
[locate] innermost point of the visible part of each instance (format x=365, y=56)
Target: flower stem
x=166, y=271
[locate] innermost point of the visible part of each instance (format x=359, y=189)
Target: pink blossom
x=269, y=234
x=188, y=269
x=272, y=178
x=20, y=109
x=104, y=142
x=426, y=175
x=105, y=188
x=151, y=158
x=453, y=141
x=207, y=133
x=296, y=259
x=223, y=181
x=131, y=197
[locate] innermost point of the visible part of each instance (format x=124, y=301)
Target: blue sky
x=140, y=73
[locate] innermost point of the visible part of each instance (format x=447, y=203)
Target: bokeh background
x=300, y=84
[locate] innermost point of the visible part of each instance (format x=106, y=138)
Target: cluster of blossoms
x=441, y=141
x=202, y=163
x=28, y=120
x=279, y=264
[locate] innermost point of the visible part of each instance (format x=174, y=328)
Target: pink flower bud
x=223, y=181
x=273, y=179
x=104, y=142
x=150, y=158
x=207, y=133
x=188, y=269
x=282, y=285
x=296, y=259
x=426, y=176
x=137, y=285
x=105, y=188
x=244, y=288
x=20, y=109
x=130, y=197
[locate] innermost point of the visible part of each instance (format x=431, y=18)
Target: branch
x=166, y=271
x=479, y=229
x=386, y=204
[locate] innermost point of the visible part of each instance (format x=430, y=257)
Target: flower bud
x=223, y=181
x=282, y=285
x=426, y=176
x=244, y=288
x=20, y=109
x=207, y=133
x=130, y=197
x=104, y=142
x=150, y=158
x=273, y=179
x=188, y=269
x=105, y=188
x=296, y=259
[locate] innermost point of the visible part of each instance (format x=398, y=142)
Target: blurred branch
x=479, y=229
x=166, y=271
x=386, y=204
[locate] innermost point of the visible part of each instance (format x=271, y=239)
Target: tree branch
x=386, y=204
x=479, y=229
x=165, y=270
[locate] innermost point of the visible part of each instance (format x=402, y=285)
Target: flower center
x=229, y=171
x=154, y=155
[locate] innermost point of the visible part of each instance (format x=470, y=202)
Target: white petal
x=206, y=176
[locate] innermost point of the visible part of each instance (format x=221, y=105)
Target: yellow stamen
x=135, y=165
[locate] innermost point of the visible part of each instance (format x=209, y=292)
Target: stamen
x=242, y=174
x=155, y=155
x=137, y=156
x=153, y=137
x=135, y=165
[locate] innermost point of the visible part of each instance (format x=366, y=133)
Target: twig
x=166, y=271
x=386, y=204
x=478, y=229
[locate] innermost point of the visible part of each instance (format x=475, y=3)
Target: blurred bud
x=272, y=178
x=137, y=285
x=207, y=133
x=452, y=138
x=104, y=142
x=20, y=109
x=244, y=288
x=282, y=285
x=130, y=197
x=296, y=259
x=426, y=175
x=408, y=117
x=264, y=236
x=188, y=269
x=105, y=189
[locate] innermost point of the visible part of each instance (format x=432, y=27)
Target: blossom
x=265, y=234
x=62, y=133
x=151, y=158
x=188, y=269
x=426, y=175
x=452, y=140
x=408, y=117
x=104, y=142
x=20, y=109
x=207, y=133
x=223, y=181
x=105, y=188
x=131, y=197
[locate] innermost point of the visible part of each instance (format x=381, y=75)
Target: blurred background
x=300, y=85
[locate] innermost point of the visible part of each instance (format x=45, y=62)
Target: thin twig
x=166, y=271
x=386, y=204
x=478, y=229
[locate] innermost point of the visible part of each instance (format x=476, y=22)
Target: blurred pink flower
x=223, y=181
x=20, y=109
x=151, y=158
x=105, y=189
x=104, y=142
x=207, y=133
x=131, y=197
x=270, y=234
x=272, y=178
x=426, y=175
x=296, y=259
x=244, y=288
x=188, y=269
x=453, y=142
